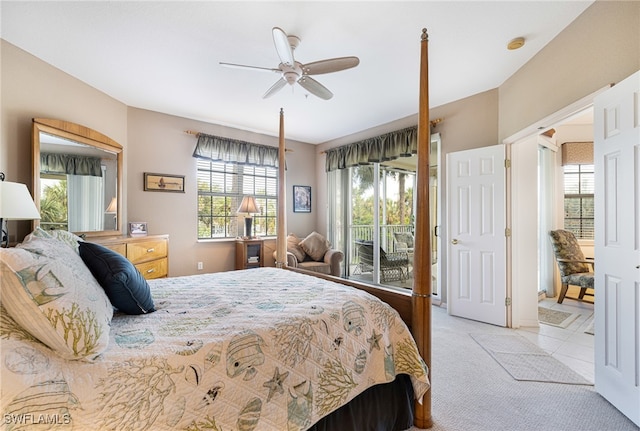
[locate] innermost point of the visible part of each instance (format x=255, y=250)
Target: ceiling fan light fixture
x=516, y=43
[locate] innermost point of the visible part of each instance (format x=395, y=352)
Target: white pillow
x=47, y=288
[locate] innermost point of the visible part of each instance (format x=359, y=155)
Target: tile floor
x=570, y=345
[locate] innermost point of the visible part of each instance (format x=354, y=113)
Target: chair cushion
x=583, y=279
x=315, y=245
x=293, y=246
x=126, y=288
x=321, y=267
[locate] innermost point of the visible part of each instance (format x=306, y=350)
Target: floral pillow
x=69, y=238
x=49, y=291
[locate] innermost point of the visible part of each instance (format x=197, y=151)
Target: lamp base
x=248, y=221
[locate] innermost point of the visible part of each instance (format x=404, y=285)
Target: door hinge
x=507, y=163
x=507, y=232
x=507, y=302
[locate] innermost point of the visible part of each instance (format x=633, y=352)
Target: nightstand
x=249, y=253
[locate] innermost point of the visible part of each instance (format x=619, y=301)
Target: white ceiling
x=164, y=56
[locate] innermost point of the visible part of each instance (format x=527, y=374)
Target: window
x=221, y=187
x=578, y=200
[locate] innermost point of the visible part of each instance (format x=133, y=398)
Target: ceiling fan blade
x=315, y=88
x=281, y=41
x=275, y=88
x=242, y=66
x=330, y=65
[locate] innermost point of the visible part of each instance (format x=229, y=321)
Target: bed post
x=281, y=242
x=421, y=296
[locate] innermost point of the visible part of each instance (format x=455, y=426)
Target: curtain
x=85, y=195
x=234, y=151
x=577, y=153
x=401, y=143
x=70, y=164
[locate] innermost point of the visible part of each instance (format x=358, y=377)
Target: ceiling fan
x=293, y=71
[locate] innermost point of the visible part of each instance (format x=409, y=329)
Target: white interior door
x=617, y=246
x=476, y=250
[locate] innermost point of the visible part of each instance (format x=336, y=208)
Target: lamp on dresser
x=15, y=204
x=248, y=206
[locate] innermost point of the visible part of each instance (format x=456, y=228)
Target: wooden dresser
x=150, y=254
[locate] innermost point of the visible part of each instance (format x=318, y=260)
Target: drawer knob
x=151, y=250
x=149, y=271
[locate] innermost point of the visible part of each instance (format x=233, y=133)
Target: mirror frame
x=84, y=135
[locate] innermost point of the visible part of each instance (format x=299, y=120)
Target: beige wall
x=602, y=46
x=31, y=88
x=159, y=144
x=152, y=142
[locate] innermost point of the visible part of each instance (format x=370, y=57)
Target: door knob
x=454, y=241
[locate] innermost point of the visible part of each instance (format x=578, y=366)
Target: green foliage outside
x=53, y=206
x=398, y=211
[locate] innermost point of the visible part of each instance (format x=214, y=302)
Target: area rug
x=558, y=318
x=526, y=361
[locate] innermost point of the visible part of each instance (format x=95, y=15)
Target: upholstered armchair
x=574, y=269
x=313, y=253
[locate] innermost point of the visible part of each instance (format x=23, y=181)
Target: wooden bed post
x=281, y=242
x=421, y=296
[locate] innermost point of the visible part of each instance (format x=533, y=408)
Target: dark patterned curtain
x=70, y=164
x=401, y=143
x=234, y=151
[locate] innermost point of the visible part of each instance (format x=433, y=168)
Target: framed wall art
x=301, y=199
x=163, y=183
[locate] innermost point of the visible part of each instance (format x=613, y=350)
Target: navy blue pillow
x=126, y=288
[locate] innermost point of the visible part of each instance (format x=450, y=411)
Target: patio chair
x=393, y=266
x=574, y=269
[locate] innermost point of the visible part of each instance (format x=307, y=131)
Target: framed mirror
x=77, y=178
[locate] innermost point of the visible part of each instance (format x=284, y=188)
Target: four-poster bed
x=257, y=349
x=415, y=310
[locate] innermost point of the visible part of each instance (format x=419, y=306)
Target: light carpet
x=471, y=392
x=558, y=318
x=526, y=361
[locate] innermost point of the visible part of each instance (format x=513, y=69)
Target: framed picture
x=163, y=183
x=301, y=199
x=137, y=228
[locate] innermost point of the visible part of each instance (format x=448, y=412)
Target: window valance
x=577, y=153
x=401, y=143
x=70, y=164
x=234, y=151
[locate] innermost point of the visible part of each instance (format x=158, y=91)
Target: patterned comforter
x=263, y=349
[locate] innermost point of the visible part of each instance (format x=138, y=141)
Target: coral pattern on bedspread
x=259, y=349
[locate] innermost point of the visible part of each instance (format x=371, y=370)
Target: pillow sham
x=126, y=288
x=66, y=237
x=50, y=292
x=293, y=246
x=315, y=245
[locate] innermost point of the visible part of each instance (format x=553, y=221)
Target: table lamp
x=248, y=206
x=15, y=204
x=113, y=209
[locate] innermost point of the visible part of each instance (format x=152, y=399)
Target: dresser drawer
x=118, y=248
x=143, y=251
x=154, y=269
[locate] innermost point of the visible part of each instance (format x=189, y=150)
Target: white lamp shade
x=16, y=202
x=113, y=206
x=248, y=205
